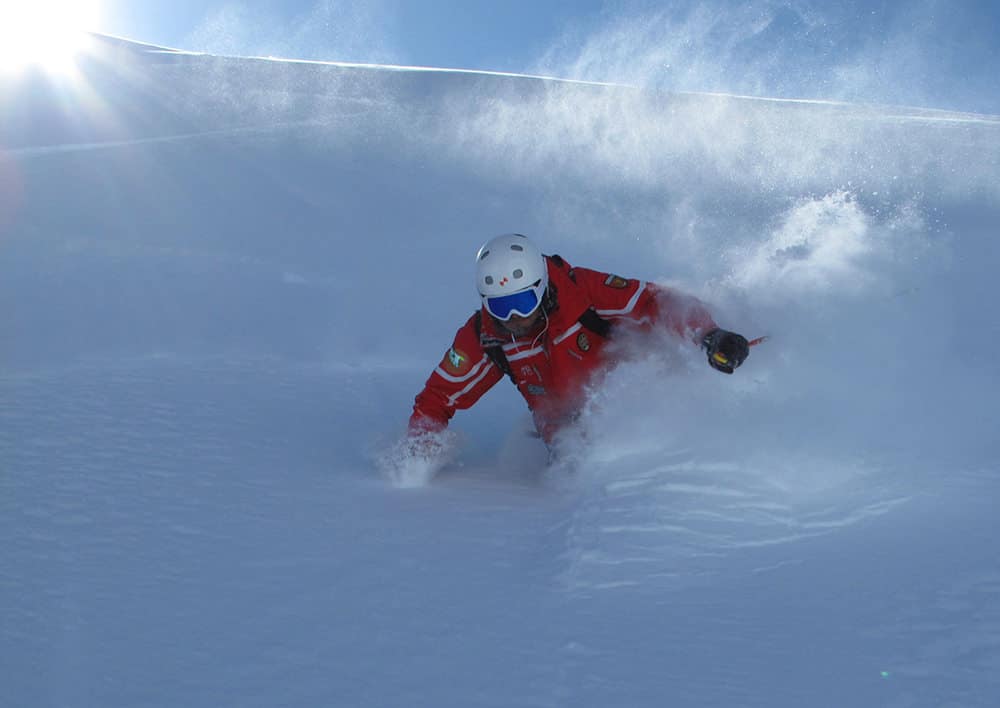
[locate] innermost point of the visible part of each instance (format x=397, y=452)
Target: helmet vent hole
x=518, y=273
x=483, y=257
x=516, y=247
x=489, y=280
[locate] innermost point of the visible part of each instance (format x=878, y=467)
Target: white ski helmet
x=511, y=276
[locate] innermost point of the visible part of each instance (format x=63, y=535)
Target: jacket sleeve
x=647, y=304
x=463, y=376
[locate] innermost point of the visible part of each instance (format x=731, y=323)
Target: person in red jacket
x=546, y=325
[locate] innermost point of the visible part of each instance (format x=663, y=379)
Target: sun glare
x=45, y=33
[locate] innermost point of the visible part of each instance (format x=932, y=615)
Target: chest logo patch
x=617, y=282
x=583, y=342
x=456, y=362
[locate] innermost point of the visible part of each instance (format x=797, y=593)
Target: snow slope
x=222, y=281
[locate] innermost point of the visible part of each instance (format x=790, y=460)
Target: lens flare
x=45, y=33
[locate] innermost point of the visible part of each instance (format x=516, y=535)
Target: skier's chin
x=522, y=326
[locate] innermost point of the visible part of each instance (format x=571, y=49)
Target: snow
x=224, y=280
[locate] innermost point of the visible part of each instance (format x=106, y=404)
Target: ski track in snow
x=182, y=483
x=688, y=520
x=171, y=434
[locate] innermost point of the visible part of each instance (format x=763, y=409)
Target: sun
x=45, y=33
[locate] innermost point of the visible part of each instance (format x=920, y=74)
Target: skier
x=546, y=325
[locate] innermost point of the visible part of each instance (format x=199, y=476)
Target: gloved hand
x=425, y=445
x=414, y=460
x=726, y=350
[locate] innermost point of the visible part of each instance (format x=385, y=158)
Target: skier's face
x=521, y=326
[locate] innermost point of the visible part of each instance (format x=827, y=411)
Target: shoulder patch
x=617, y=282
x=456, y=362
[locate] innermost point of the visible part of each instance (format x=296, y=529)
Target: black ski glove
x=726, y=350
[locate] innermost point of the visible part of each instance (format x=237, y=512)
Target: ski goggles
x=506, y=306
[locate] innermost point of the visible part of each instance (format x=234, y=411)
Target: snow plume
x=826, y=280
x=676, y=466
x=825, y=244
x=682, y=47
x=654, y=159
x=675, y=463
x=414, y=461
x=331, y=30
x=618, y=144
x=789, y=49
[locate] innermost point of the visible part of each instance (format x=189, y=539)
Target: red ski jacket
x=552, y=367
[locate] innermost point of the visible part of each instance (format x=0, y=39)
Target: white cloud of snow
x=330, y=30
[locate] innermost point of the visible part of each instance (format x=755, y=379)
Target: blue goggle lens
x=522, y=303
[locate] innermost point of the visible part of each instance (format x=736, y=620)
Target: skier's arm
x=463, y=376
x=650, y=304
x=647, y=304
x=684, y=315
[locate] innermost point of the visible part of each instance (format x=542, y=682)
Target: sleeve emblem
x=456, y=362
x=617, y=282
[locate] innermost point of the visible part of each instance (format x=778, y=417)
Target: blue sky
x=475, y=34
x=928, y=53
